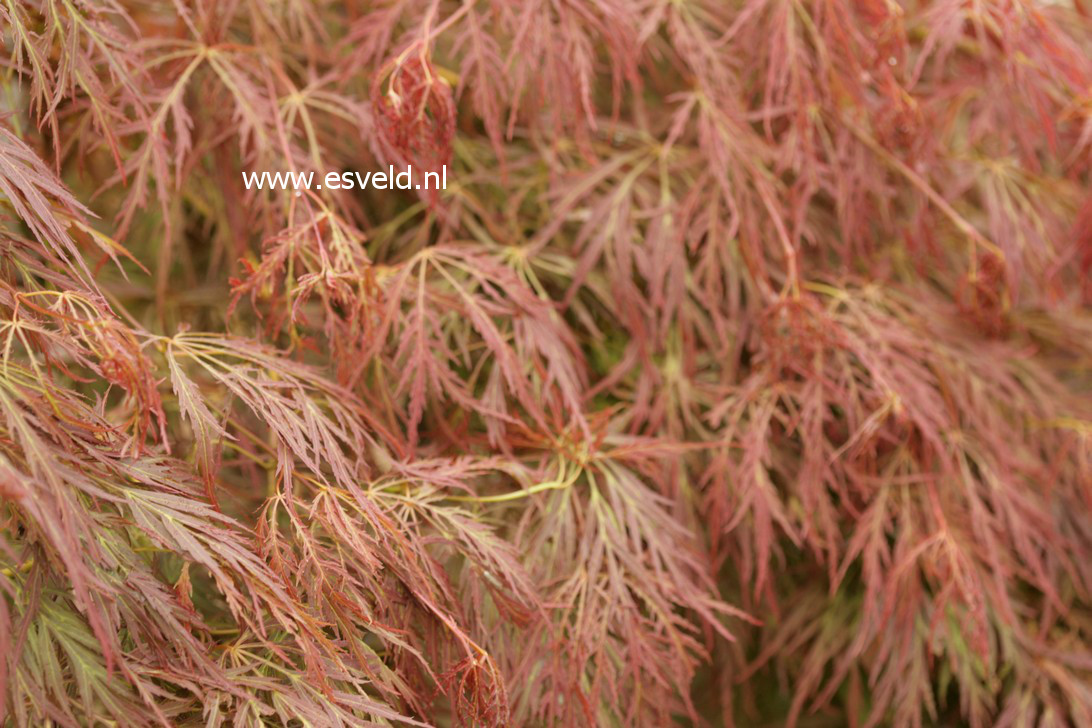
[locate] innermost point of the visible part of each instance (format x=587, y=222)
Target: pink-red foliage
x=742, y=374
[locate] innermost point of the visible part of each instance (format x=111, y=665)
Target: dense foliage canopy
x=742, y=374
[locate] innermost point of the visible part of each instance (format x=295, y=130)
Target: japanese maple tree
x=741, y=375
